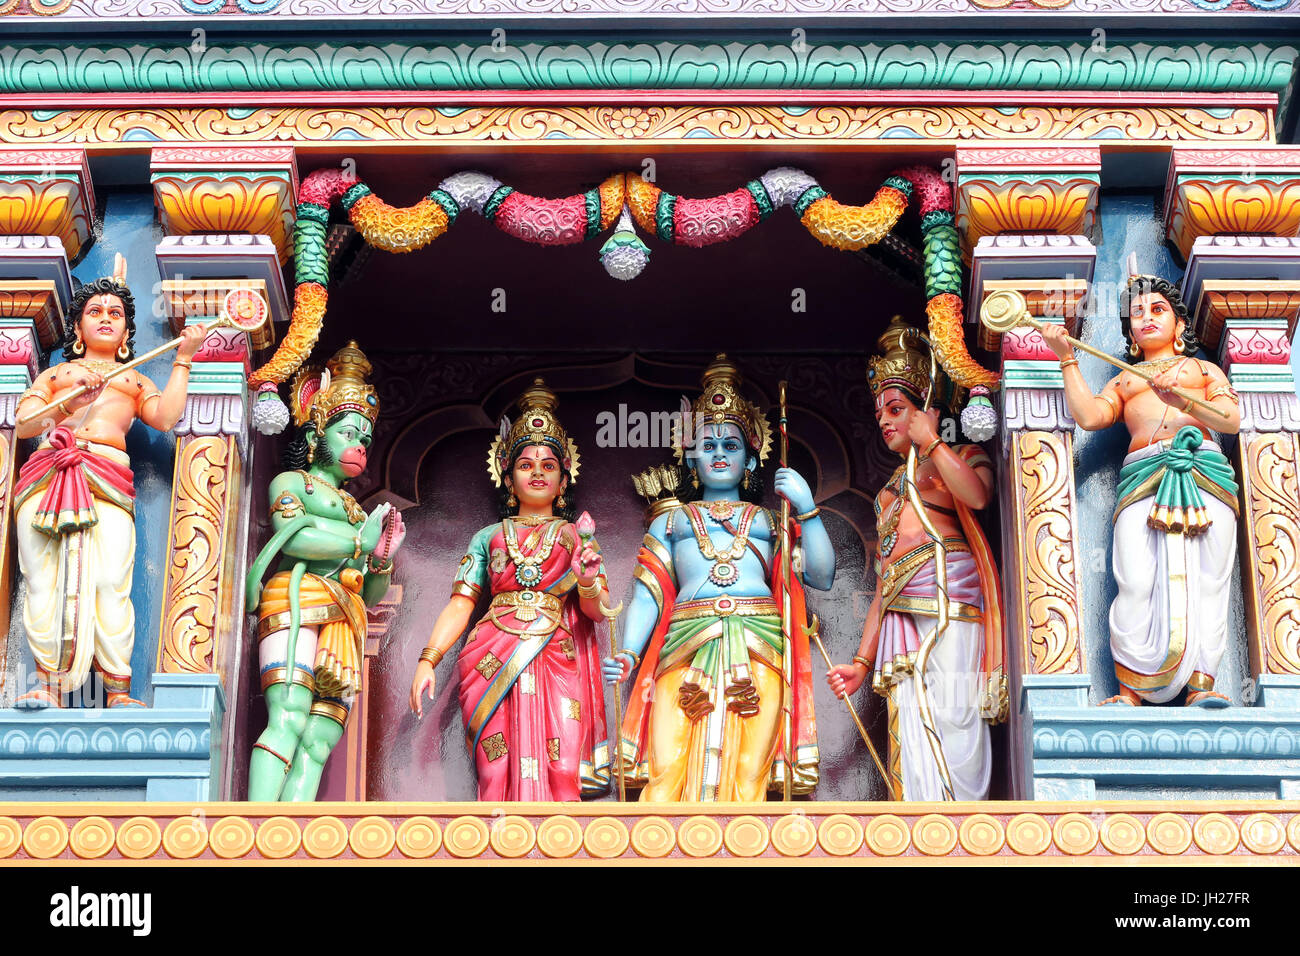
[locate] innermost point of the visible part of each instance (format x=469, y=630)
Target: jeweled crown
x=721, y=402
x=903, y=362
x=537, y=424
x=342, y=386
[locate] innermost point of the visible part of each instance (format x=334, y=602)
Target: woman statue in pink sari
x=530, y=687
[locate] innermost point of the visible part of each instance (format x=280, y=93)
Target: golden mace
x=242, y=309
x=1004, y=310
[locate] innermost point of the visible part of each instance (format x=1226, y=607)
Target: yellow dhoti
x=332, y=628
x=719, y=733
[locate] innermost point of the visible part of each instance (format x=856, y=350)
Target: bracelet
x=384, y=567
x=808, y=515
x=636, y=658
x=931, y=447
x=590, y=591
x=356, y=551
x=1187, y=406
x=62, y=407
x=857, y=659
x=432, y=655
x=183, y=363
x=1067, y=362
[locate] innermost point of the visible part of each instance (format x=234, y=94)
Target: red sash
x=73, y=474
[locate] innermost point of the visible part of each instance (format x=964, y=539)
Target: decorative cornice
x=1013, y=833
x=464, y=12
x=361, y=128
x=667, y=65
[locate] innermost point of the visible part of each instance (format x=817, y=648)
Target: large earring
x=1133, y=349
x=695, y=479
x=512, y=501
x=123, y=352
x=78, y=347
x=1180, y=343
x=311, y=451
x=744, y=482
x=559, y=500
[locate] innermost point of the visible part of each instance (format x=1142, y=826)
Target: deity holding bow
x=722, y=707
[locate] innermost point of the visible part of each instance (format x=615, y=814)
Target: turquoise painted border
x=668, y=65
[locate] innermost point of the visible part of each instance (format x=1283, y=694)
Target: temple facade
x=606, y=198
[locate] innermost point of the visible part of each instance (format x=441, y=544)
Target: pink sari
x=530, y=689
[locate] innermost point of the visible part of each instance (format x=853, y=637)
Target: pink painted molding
x=1256, y=346
x=18, y=346
x=225, y=345
x=994, y=159
x=1026, y=345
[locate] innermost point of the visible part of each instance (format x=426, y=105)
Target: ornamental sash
x=73, y=476
x=1177, y=475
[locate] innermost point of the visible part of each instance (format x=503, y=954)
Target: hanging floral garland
x=625, y=198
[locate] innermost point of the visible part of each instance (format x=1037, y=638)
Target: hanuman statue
x=939, y=741
x=723, y=708
x=332, y=560
x=530, y=690
x=1175, y=534
x=74, y=499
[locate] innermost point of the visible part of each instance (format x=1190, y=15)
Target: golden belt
x=724, y=605
x=527, y=599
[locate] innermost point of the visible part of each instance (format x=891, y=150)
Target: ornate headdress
x=904, y=363
x=536, y=425
x=320, y=394
x=722, y=403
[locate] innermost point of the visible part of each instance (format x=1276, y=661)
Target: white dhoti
x=954, y=686
x=78, y=610
x=1169, y=621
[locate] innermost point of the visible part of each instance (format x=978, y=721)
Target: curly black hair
x=84, y=294
x=570, y=510
x=1140, y=286
x=295, y=455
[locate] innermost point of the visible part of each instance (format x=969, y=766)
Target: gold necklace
x=887, y=529
x=353, y=510
x=528, y=567
x=724, y=572
x=99, y=366
x=1159, y=365
x=722, y=510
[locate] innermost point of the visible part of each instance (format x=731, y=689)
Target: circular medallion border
x=702, y=836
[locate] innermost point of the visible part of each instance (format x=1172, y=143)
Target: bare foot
x=37, y=699
x=1125, y=696
x=1207, y=698
x=123, y=699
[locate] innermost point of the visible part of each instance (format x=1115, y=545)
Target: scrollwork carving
x=1272, y=554
x=206, y=475
x=1048, y=559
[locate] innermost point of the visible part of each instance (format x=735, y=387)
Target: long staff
x=787, y=659
x=941, y=586
x=243, y=309
x=616, y=736
x=1004, y=310
x=815, y=633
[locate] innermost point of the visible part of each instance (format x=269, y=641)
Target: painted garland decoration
x=628, y=200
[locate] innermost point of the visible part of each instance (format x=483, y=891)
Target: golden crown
x=320, y=394
x=721, y=403
x=903, y=363
x=536, y=425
